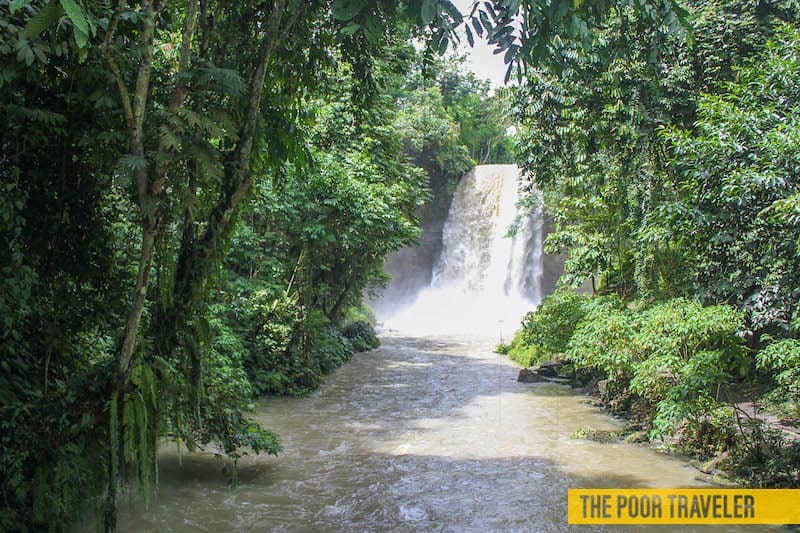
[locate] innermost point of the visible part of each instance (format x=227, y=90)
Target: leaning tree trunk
x=199, y=254
x=148, y=178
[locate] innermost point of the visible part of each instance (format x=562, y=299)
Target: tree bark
x=198, y=254
x=149, y=184
x=135, y=114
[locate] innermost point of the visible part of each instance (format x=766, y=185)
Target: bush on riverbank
x=547, y=330
x=284, y=348
x=673, y=368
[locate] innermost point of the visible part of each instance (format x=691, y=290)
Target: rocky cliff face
x=552, y=264
x=411, y=267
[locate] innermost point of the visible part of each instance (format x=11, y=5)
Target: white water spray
x=484, y=280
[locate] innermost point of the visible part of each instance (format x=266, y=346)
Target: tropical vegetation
x=197, y=194
x=671, y=172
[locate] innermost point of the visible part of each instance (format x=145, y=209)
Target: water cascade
x=484, y=280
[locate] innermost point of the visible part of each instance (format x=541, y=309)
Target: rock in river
x=526, y=375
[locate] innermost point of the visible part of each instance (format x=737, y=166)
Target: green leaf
x=346, y=10
x=43, y=19
x=442, y=45
x=470, y=38
x=478, y=27
x=81, y=38
x=428, y=11
x=76, y=15
x=24, y=52
x=351, y=28
x=16, y=5
x=130, y=164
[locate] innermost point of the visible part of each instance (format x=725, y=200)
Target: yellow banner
x=683, y=506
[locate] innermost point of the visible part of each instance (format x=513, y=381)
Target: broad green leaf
x=81, y=38
x=477, y=25
x=346, y=10
x=24, y=52
x=470, y=38
x=351, y=28
x=78, y=18
x=453, y=11
x=43, y=19
x=428, y=11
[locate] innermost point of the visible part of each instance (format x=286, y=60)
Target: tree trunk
x=198, y=255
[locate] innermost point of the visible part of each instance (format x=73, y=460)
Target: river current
x=418, y=435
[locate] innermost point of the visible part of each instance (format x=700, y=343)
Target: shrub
x=685, y=352
x=709, y=436
x=361, y=335
x=525, y=354
x=552, y=324
x=603, y=339
x=546, y=331
x=273, y=363
x=290, y=349
x=762, y=457
x=782, y=358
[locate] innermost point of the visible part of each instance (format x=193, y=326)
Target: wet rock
x=549, y=369
x=597, y=435
x=526, y=375
x=637, y=437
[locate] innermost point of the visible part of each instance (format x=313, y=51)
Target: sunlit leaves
x=739, y=171
x=782, y=359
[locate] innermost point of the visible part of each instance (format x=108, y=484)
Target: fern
x=129, y=164
x=40, y=117
x=223, y=81
x=170, y=138
x=207, y=158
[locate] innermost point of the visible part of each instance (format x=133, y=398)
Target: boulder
x=549, y=369
x=526, y=375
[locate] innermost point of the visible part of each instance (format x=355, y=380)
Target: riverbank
x=682, y=373
x=755, y=448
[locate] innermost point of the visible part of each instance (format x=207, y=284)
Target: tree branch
x=150, y=221
x=179, y=90
x=124, y=92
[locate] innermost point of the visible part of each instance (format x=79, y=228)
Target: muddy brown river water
x=419, y=435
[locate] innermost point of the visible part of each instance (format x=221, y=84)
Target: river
x=418, y=435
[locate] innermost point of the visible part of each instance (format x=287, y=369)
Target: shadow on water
x=392, y=493
x=418, y=435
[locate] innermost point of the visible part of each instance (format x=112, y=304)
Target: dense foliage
x=670, y=167
x=195, y=196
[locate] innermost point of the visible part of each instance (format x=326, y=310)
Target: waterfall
x=484, y=281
